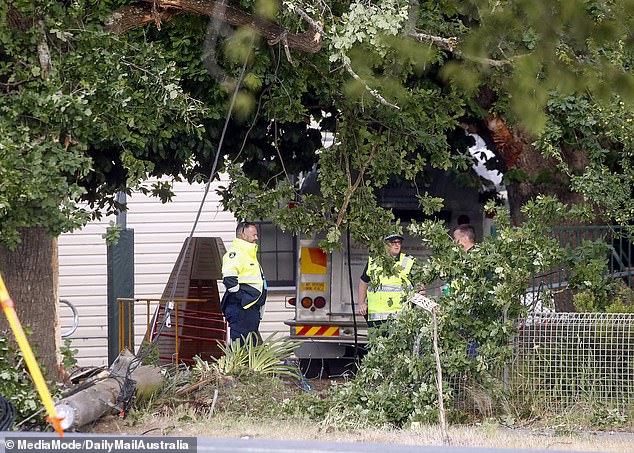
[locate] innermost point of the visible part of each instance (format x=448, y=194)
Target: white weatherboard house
x=159, y=232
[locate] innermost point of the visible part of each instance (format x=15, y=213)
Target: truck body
x=325, y=301
x=325, y=321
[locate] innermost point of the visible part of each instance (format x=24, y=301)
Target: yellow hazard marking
x=314, y=261
x=313, y=286
x=29, y=358
x=312, y=331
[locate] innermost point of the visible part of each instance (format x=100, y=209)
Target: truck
x=325, y=321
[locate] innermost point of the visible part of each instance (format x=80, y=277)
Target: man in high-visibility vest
x=380, y=295
x=243, y=301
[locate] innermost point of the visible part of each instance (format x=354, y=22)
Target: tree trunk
x=31, y=276
x=536, y=174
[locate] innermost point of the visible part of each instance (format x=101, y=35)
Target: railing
x=619, y=257
x=179, y=316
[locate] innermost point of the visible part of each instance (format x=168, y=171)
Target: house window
x=276, y=252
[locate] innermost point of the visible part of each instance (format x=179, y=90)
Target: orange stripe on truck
x=317, y=331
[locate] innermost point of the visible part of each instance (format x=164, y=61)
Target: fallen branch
x=195, y=386
x=432, y=307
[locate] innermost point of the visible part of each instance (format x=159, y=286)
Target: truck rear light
x=291, y=301
x=320, y=302
x=307, y=302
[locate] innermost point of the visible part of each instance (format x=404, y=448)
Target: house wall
x=159, y=232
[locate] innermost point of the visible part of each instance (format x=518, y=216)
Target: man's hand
x=362, y=308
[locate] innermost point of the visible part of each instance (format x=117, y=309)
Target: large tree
x=96, y=98
x=546, y=84
x=78, y=104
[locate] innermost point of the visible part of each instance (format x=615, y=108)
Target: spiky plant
x=269, y=357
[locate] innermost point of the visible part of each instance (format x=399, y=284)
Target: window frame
x=275, y=284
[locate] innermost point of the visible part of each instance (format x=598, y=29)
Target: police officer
x=384, y=299
x=243, y=301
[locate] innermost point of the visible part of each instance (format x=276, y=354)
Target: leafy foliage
x=598, y=132
x=620, y=300
x=476, y=322
x=112, y=110
x=79, y=127
x=69, y=361
x=267, y=358
x=15, y=382
x=530, y=64
x=108, y=111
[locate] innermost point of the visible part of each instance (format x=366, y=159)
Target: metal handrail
x=123, y=300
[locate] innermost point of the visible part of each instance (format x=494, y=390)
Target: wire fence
x=562, y=359
x=565, y=359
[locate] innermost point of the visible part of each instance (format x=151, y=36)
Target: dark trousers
x=376, y=324
x=242, y=322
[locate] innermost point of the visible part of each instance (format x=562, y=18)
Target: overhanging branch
x=451, y=44
x=133, y=16
x=372, y=91
x=448, y=44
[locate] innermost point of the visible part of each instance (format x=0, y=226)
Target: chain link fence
x=563, y=359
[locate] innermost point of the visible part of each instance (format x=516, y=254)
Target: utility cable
x=7, y=414
x=128, y=389
x=354, y=314
x=170, y=305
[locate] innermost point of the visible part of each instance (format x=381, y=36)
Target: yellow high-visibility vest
x=385, y=299
x=241, y=261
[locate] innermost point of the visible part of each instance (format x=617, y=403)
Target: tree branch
x=316, y=25
x=10, y=86
x=373, y=92
x=352, y=188
x=133, y=16
x=16, y=20
x=44, y=53
x=448, y=44
x=451, y=44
